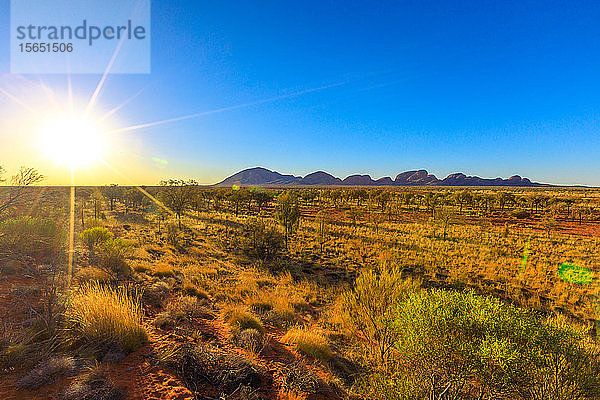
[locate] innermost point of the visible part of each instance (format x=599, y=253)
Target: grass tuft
x=99, y=315
x=310, y=343
x=240, y=319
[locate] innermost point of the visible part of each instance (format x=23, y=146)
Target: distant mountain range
x=259, y=176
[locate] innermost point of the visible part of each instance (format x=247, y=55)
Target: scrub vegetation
x=315, y=293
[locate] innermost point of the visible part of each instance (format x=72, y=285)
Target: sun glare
x=73, y=141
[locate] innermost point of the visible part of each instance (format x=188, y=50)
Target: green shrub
x=93, y=238
x=466, y=346
x=100, y=315
x=112, y=255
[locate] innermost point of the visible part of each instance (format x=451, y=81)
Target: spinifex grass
x=310, y=343
x=99, y=314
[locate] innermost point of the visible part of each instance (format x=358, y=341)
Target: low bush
x=93, y=386
x=50, y=371
x=93, y=238
x=261, y=240
x=163, y=270
x=206, y=365
x=100, y=315
x=112, y=257
x=275, y=308
x=310, y=343
x=189, y=289
x=368, y=310
x=250, y=339
x=156, y=294
x=521, y=214
x=299, y=379
x=461, y=345
x=184, y=308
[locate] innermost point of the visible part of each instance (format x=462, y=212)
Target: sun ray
x=49, y=94
x=98, y=89
x=17, y=100
x=123, y=104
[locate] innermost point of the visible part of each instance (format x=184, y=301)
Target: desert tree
x=262, y=198
x=197, y=201
x=407, y=197
x=504, y=198
x=112, y=193
x=97, y=200
x=432, y=200
x=261, y=240
x=383, y=199
x=236, y=198
x=461, y=198
x=353, y=215
x=19, y=183
x=177, y=196
x=360, y=195
x=288, y=214
x=444, y=218
x=309, y=196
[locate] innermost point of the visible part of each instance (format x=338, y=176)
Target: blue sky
x=487, y=88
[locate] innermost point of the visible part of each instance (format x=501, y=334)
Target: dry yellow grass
x=163, y=270
x=239, y=319
x=308, y=342
x=98, y=314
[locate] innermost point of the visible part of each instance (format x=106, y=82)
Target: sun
x=73, y=141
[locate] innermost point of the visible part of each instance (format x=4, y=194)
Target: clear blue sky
x=488, y=88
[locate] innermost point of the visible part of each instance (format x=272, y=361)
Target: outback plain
x=183, y=291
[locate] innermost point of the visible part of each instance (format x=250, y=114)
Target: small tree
x=432, y=200
x=19, y=183
x=97, y=204
x=369, y=310
x=112, y=193
x=444, y=218
x=288, y=214
x=463, y=197
x=262, y=199
x=177, y=196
